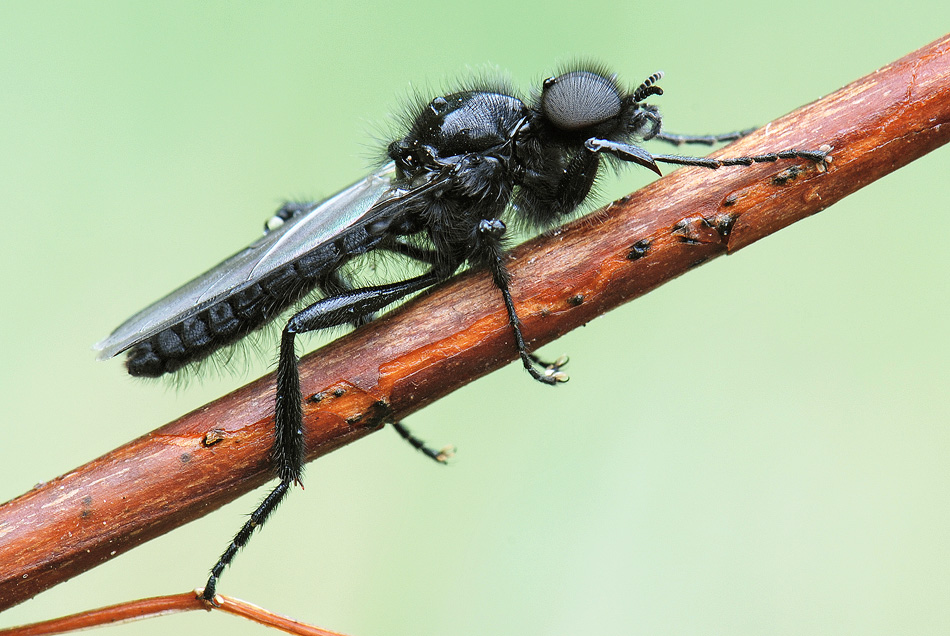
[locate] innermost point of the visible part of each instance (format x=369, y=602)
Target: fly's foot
x=442, y=456
x=551, y=371
x=212, y=600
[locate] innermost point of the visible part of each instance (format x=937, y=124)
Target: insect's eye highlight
x=580, y=99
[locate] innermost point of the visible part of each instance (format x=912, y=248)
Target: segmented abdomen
x=235, y=316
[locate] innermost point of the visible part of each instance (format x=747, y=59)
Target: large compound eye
x=579, y=99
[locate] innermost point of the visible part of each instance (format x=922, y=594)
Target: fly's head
x=585, y=103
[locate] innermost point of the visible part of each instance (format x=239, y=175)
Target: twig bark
x=162, y=606
x=458, y=332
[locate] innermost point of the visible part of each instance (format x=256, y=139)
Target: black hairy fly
x=468, y=160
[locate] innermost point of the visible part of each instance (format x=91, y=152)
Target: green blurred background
x=795, y=483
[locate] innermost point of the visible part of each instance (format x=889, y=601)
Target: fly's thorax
x=458, y=124
x=470, y=121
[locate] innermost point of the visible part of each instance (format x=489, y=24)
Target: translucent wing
x=303, y=232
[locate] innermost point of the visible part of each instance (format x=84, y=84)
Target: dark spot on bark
x=639, y=249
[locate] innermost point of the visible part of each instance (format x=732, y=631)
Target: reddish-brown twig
x=159, y=606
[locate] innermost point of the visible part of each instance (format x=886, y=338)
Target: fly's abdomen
x=218, y=326
x=231, y=318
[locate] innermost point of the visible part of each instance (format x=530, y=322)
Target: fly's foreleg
x=706, y=140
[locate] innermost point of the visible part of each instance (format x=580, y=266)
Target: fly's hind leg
x=287, y=211
x=336, y=283
x=288, y=451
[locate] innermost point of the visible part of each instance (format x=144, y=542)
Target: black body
x=467, y=160
x=235, y=316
